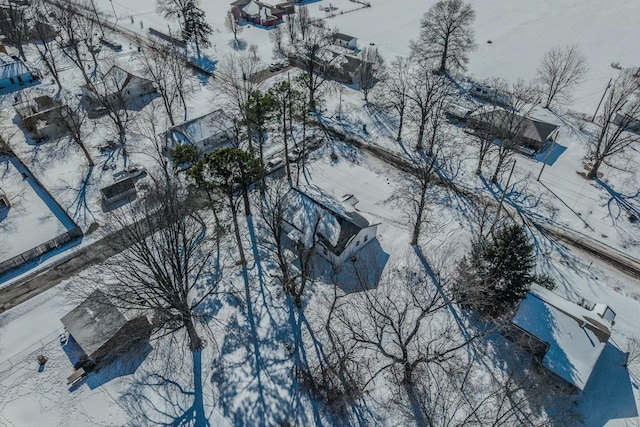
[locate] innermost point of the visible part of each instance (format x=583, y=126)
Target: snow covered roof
x=11, y=67
x=335, y=225
x=252, y=8
x=210, y=127
x=94, y=322
x=115, y=80
x=576, y=336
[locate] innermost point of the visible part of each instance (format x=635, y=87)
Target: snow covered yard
x=32, y=217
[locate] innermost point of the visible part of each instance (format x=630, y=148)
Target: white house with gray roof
x=336, y=229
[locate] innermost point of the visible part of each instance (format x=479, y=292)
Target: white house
x=345, y=40
x=566, y=337
x=209, y=132
x=14, y=72
x=118, y=86
x=336, y=229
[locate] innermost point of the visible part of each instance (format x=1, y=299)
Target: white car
x=132, y=171
x=295, y=154
x=273, y=164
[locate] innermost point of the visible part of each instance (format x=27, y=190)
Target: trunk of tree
x=86, y=153
x=445, y=51
x=195, y=342
x=593, y=173
x=423, y=123
x=236, y=229
x=401, y=113
x=494, y=177
x=480, y=161
x=416, y=227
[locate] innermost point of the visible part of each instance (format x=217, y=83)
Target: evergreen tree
x=259, y=109
x=195, y=27
x=185, y=154
x=498, y=272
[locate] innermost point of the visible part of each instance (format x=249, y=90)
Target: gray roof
x=504, y=120
x=344, y=37
x=94, y=322
x=119, y=187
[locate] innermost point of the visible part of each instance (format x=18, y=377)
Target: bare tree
x=502, y=129
x=561, y=70
x=14, y=25
x=509, y=125
x=165, y=267
x=69, y=40
x=306, y=45
x=72, y=117
x=621, y=108
x=371, y=71
x=404, y=325
x=45, y=45
x=108, y=95
x=393, y=91
x=232, y=25
x=235, y=78
x=446, y=34
x=294, y=259
x=166, y=67
x=428, y=95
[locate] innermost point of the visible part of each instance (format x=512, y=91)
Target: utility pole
x=601, y=99
x=546, y=158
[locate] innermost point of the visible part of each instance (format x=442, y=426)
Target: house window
x=11, y=80
x=366, y=238
x=357, y=243
x=325, y=252
x=20, y=79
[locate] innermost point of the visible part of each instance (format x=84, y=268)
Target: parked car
x=295, y=154
x=273, y=164
x=132, y=171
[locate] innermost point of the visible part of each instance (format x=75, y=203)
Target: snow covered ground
x=32, y=215
x=520, y=33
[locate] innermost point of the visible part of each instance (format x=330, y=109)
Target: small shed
x=100, y=328
x=118, y=191
x=345, y=40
